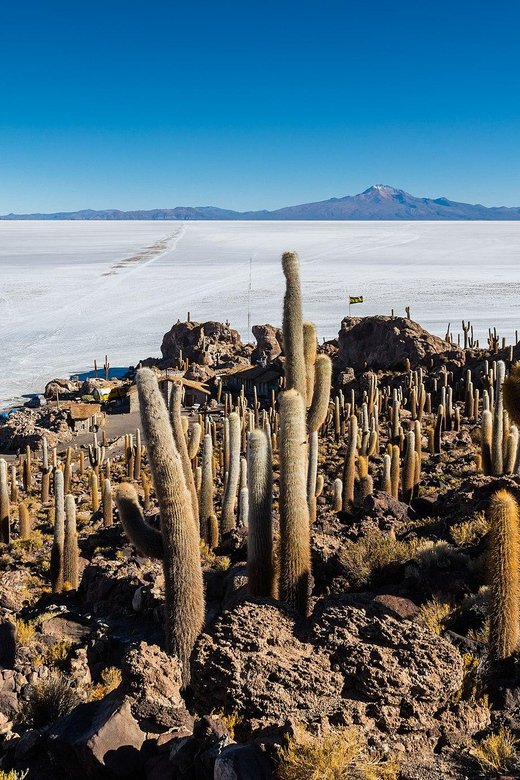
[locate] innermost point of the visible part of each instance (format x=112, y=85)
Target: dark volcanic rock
x=384, y=343
x=207, y=343
x=352, y=662
x=269, y=344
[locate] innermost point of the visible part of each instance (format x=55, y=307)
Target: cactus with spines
x=349, y=468
x=27, y=475
x=146, y=490
x=318, y=407
x=107, y=503
x=497, y=444
x=46, y=472
x=486, y=440
x=295, y=372
x=94, y=491
x=408, y=477
x=386, y=482
x=337, y=495
x=96, y=454
x=5, y=510
x=178, y=423
x=511, y=394
x=206, y=502
x=14, y=484
x=24, y=521
x=395, y=468
x=138, y=455
x=228, y=521
x=70, y=546
x=295, y=563
x=503, y=575
x=178, y=540
x=56, y=569
x=194, y=441
x=260, y=566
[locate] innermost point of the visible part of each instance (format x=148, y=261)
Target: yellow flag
x=355, y=299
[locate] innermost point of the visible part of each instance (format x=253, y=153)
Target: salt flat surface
x=73, y=291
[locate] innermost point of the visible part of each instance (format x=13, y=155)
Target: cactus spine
x=504, y=571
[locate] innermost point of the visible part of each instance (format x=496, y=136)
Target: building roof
x=257, y=374
x=83, y=411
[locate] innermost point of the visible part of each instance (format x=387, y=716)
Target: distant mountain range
x=377, y=203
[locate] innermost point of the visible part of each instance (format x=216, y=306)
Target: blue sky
x=256, y=104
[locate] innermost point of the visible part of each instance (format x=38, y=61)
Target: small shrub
x=25, y=632
x=110, y=680
x=433, y=614
x=472, y=688
x=211, y=561
x=368, y=556
x=470, y=531
x=497, y=753
x=48, y=700
x=337, y=755
x=13, y=775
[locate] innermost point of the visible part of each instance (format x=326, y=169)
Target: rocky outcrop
x=61, y=387
x=384, y=343
x=29, y=426
x=269, y=343
x=208, y=343
x=355, y=661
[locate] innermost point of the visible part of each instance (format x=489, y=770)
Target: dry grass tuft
x=338, y=755
x=470, y=531
x=110, y=680
x=433, y=614
x=497, y=753
x=366, y=557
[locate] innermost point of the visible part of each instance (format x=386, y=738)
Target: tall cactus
x=497, y=445
x=107, y=503
x=230, y=493
x=177, y=422
x=70, y=546
x=59, y=533
x=295, y=563
x=511, y=394
x=5, y=511
x=184, y=594
x=260, y=568
x=504, y=572
x=206, y=502
x=295, y=374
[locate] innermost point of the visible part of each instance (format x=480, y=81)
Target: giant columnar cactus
x=107, y=503
x=408, y=478
x=182, y=446
x=511, y=393
x=319, y=405
x=138, y=455
x=310, y=344
x=260, y=568
x=295, y=560
x=349, y=468
x=5, y=512
x=70, y=546
x=179, y=537
x=497, y=445
x=486, y=440
x=59, y=533
x=230, y=493
x=387, y=474
x=206, y=503
x=295, y=374
x=94, y=491
x=24, y=521
x=46, y=473
x=194, y=441
x=503, y=575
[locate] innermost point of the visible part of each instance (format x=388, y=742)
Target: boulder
x=242, y=762
x=61, y=387
x=355, y=661
x=384, y=343
x=208, y=343
x=269, y=343
x=153, y=681
x=101, y=739
x=7, y=644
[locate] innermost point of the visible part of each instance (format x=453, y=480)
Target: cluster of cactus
x=499, y=438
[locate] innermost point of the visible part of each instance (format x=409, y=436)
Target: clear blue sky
x=256, y=103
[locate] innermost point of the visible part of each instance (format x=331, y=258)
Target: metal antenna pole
x=249, y=298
